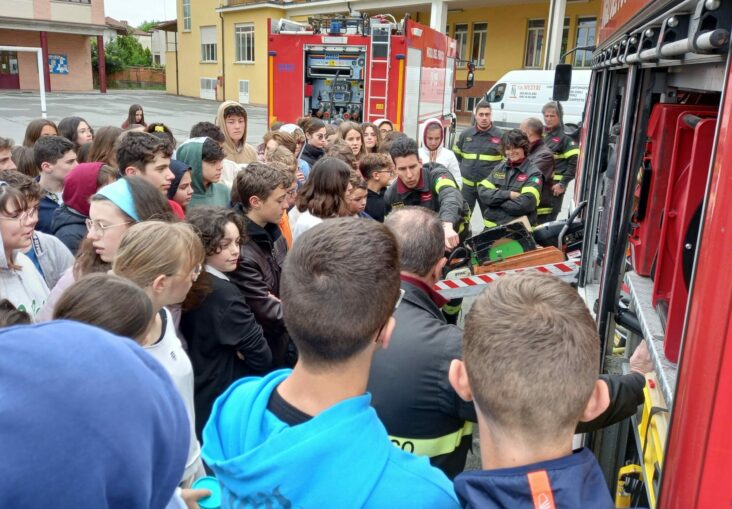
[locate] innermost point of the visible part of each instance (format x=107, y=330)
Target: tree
x=146, y=26
x=122, y=52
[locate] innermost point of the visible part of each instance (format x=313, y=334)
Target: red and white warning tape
x=472, y=285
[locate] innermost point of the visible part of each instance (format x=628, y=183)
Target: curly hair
x=515, y=138
x=135, y=149
x=210, y=223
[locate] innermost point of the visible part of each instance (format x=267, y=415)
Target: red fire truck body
x=363, y=70
x=656, y=172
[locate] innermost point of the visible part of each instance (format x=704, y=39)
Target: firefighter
x=431, y=186
x=566, y=153
x=543, y=158
x=513, y=189
x=477, y=151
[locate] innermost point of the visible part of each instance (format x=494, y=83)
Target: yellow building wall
x=255, y=72
x=191, y=69
x=507, y=28
x=171, y=86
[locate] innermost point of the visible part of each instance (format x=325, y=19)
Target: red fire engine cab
x=361, y=69
x=655, y=171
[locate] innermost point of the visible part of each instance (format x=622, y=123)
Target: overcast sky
x=137, y=11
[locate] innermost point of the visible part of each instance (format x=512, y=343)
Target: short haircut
x=371, y=163
x=29, y=188
x=208, y=130
x=10, y=315
x=140, y=259
x=551, y=105
x=212, y=151
x=324, y=280
x=103, y=147
x=323, y=193
x=235, y=110
x=420, y=237
x=109, y=302
x=135, y=149
x=6, y=144
x=482, y=104
x=258, y=180
x=534, y=125
x=403, y=147
x=209, y=223
x=286, y=172
x=433, y=126
x=34, y=129
x=532, y=355
x=283, y=156
x=388, y=139
x=515, y=138
x=50, y=149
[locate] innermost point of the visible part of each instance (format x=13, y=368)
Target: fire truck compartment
x=336, y=75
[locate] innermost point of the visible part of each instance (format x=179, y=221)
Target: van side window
x=496, y=93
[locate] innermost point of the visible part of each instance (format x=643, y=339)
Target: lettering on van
x=525, y=91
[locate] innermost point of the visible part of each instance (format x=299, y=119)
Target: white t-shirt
x=304, y=223
x=168, y=351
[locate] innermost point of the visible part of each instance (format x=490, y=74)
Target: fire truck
x=362, y=69
x=655, y=179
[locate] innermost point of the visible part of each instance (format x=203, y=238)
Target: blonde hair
x=154, y=248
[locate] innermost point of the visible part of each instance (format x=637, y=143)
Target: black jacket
x=219, y=328
x=439, y=192
x=543, y=158
x=69, y=227
x=494, y=193
x=311, y=154
x=376, y=207
x=257, y=276
x=409, y=386
x=566, y=154
x=478, y=153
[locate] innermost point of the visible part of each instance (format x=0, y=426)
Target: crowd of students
x=262, y=281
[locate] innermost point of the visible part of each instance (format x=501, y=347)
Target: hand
x=273, y=297
x=640, y=361
x=191, y=497
x=557, y=189
x=300, y=176
x=515, y=195
x=451, y=237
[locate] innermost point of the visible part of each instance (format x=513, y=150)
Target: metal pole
x=41, y=81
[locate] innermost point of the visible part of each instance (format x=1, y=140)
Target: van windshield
x=496, y=93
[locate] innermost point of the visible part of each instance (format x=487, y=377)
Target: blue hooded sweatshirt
x=88, y=419
x=341, y=458
x=570, y=482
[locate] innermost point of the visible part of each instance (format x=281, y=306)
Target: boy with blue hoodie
x=531, y=361
x=308, y=437
x=206, y=159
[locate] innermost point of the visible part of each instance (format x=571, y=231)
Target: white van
x=522, y=94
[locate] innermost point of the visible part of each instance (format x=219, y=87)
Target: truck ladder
x=378, y=90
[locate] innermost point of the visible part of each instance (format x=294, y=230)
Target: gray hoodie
x=24, y=287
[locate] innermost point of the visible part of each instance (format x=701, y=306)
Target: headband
x=119, y=193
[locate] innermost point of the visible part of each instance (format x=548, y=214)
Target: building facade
x=62, y=29
x=222, y=47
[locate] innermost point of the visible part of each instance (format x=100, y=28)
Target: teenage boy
x=233, y=121
x=260, y=194
x=6, y=154
x=55, y=158
x=309, y=437
x=378, y=170
x=531, y=357
x=210, y=130
x=206, y=159
x=146, y=156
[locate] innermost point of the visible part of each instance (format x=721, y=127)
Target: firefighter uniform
x=438, y=191
x=494, y=192
x=566, y=153
x=478, y=152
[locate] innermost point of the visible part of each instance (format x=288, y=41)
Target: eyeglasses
x=390, y=172
x=100, y=228
x=399, y=299
x=292, y=193
x=24, y=218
